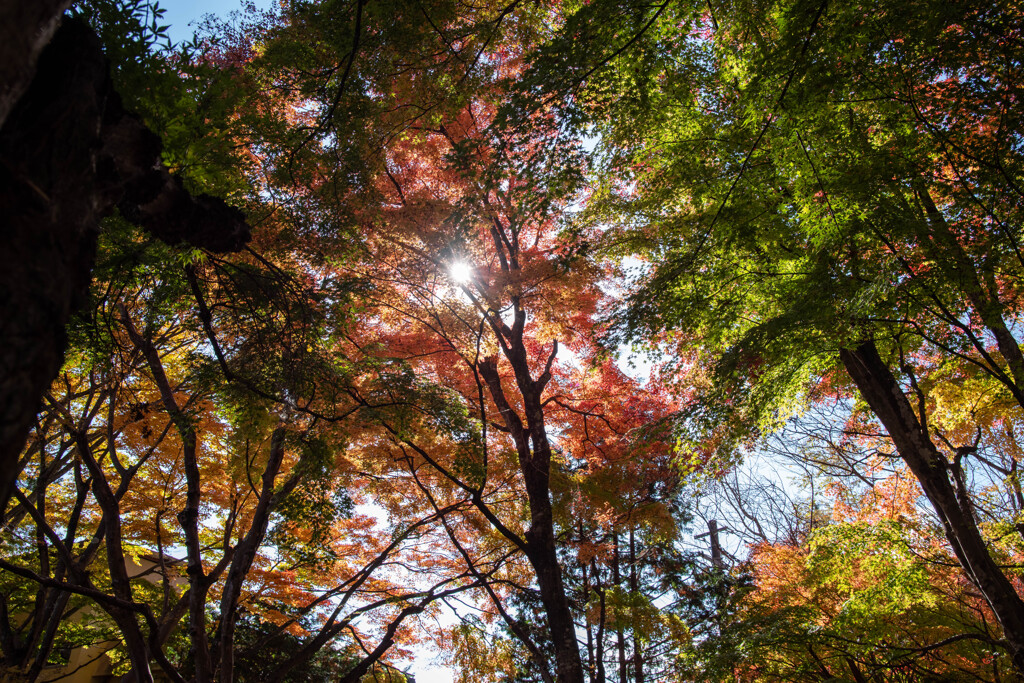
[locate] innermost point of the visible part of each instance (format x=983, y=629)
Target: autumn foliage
x=401, y=422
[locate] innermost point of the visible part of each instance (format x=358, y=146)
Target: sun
x=461, y=272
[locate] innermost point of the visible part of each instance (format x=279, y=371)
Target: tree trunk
x=245, y=555
x=585, y=598
x=634, y=588
x=48, y=152
x=135, y=642
x=70, y=153
x=600, y=675
x=26, y=26
x=535, y=466
x=620, y=639
x=883, y=394
x=541, y=552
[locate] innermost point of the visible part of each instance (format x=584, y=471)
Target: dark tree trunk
x=584, y=599
x=535, y=466
x=620, y=639
x=26, y=26
x=634, y=588
x=884, y=395
x=602, y=674
x=245, y=555
x=543, y=557
x=48, y=150
x=69, y=154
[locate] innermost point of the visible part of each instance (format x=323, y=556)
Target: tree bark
x=535, y=467
x=884, y=395
x=26, y=26
x=69, y=154
x=634, y=588
x=48, y=150
x=620, y=639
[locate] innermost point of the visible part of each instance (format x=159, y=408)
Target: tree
x=30, y=27
x=867, y=588
x=262, y=349
x=144, y=419
x=400, y=393
x=493, y=337
x=818, y=184
x=474, y=367
x=71, y=153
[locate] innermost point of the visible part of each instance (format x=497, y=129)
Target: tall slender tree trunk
x=620, y=639
x=585, y=598
x=542, y=553
x=602, y=619
x=634, y=588
x=884, y=395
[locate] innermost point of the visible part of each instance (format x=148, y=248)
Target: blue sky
x=180, y=12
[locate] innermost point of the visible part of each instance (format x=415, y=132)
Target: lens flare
x=461, y=272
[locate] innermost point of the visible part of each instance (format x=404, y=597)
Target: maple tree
x=265, y=404
x=822, y=190
x=400, y=394
x=268, y=524
x=261, y=350
x=493, y=338
x=856, y=581
x=446, y=194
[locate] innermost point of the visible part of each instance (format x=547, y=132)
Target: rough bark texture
x=883, y=393
x=69, y=154
x=26, y=26
x=48, y=155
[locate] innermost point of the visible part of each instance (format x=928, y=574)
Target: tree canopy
x=555, y=341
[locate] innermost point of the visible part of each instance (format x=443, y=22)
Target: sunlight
x=461, y=272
